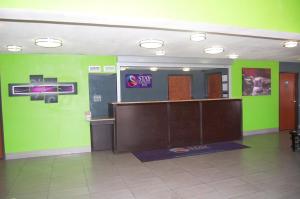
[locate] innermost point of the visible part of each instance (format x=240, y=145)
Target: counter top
x=174, y=101
x=102, y=121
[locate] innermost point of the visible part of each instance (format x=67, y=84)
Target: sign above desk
x=138, y=80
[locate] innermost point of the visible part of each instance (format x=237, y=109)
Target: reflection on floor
x=269, y=169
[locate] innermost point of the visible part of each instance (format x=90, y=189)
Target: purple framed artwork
x=138, y=80
x=41, y=88
x=256, y=81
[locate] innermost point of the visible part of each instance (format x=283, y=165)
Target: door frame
x=2, y=127
x=296, y=97
x=190, y=75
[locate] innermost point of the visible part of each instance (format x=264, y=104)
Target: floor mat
x=163, y=154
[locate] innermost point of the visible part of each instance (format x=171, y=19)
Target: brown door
x=1, y=143
x=1, y=133
x=214, y=86
x=288, y=101
x=180, y=87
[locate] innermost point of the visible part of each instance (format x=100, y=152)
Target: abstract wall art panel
x=40, y=88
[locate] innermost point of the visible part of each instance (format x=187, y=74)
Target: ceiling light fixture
x=160, y=52
x=214, y=50
x=233, y=56
x=13, y=48
x=290, y=44
x=185, y=69
x=48, y=42
x=151, y=43
x=123, y=68
x=198, y=37
x=153, y=68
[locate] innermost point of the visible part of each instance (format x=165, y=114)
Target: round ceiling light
x=214, y=50
x=153, y=68
x=160, y=52
x=233, y=56
x=290, y=44
x=151, y=43
x=198, y=37
x=48, y=42
x=13, y=48
x=185, y=69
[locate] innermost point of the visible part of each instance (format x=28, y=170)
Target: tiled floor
x=269, y=169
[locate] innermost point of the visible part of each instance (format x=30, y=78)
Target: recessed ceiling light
x=48, y=42
x=233, y=56
x=123, y=68
x=160, y=52
x=198, y=37
x=214, y=50
x=290, y=44
x=151, y=43
x=185, y=69
x=13, y=48
x=153, y=68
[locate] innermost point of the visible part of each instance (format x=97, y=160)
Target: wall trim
x=50, y=152
x=261, y=131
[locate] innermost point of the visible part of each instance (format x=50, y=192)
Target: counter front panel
x=184, y=123
x=141, y=127
x=221, y=121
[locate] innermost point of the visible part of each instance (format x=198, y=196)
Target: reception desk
x=164, y=124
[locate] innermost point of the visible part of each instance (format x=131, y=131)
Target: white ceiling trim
x=121, y=21
x=145, y=65
x=144, y=62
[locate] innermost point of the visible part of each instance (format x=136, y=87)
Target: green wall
x=259, y=112
x=34, y=125
x=279, y=15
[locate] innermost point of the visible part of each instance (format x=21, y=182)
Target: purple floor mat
x=162, y=154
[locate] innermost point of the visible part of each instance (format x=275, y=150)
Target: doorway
x=180, y=87
x=103, y=90
x=288, y=108
x=214, y=85
x=1, y=131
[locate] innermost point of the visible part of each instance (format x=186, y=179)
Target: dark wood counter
x=164, y=124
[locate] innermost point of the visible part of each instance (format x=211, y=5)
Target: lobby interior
x=47, y=144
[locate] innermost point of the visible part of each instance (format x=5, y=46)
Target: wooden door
x=180, y=87
x=288, y=101
x=214, y=86
x=1, y=132
x=1, y=143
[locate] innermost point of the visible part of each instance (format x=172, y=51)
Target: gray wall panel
x=159, y=90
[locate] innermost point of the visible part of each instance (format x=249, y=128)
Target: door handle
x=294, y=101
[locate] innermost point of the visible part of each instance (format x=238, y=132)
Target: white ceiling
x=96, y=39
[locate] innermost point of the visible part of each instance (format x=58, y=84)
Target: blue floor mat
x=162, y=154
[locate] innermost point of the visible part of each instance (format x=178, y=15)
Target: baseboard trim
x=261, y=131
x=51, y=152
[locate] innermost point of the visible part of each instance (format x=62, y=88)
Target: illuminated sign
x=138, y=80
